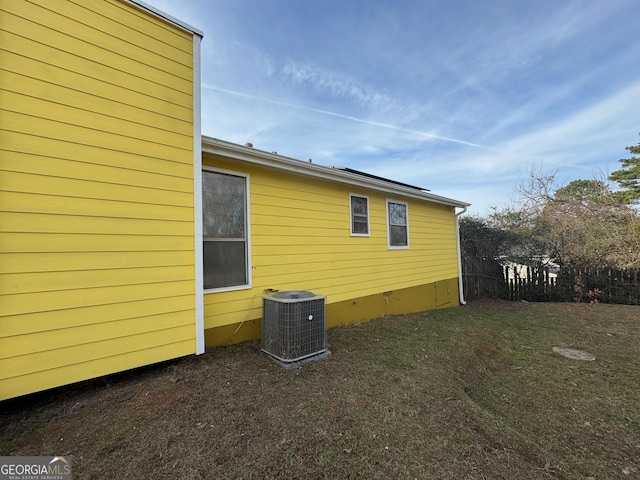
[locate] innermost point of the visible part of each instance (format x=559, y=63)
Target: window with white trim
x=359, y=215
x=397, y=224
x=225, y=230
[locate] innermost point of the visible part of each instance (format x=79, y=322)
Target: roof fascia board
x=164, y=16
x=278, y=162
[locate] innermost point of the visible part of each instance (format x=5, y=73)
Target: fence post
x=545, y=280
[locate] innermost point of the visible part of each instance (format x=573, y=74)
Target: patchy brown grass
x=472, y=392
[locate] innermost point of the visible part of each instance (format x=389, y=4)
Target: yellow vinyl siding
x=64, y=338
x=150, y=34
x=21, y=76
x=84, y=160
x=77, y=133
x=97, y=269
x=113, y=37
x=100, y=123
x=27, y=202
x=83, y=341
x=48, y=378
x=34, y=322
x=100, y=73
x=94, y=92
x=59, y=185
x=44, y=223
x=64, y=280
x=82, y=38
x=38, y=244
x=61, y=300
x=59, y=261
x=301, y=239
x=87, y=350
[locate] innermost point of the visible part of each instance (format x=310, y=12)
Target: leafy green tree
x=584, y=192
x=628, y=177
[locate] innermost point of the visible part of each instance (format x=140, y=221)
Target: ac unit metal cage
x=294, y=328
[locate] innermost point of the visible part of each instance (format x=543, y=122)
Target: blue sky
x=459, y=96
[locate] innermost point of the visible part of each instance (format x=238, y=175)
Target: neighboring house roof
x=339, y=175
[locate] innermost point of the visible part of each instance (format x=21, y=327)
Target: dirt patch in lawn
x=473, y=392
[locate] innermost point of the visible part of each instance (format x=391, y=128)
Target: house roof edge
x=279, y=162
x=164, y=16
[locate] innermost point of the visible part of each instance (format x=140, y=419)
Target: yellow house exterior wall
x=301, y=240
x=97, y=268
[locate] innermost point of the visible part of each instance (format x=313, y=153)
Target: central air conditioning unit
x=293, y=327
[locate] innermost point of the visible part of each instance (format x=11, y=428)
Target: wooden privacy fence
x=534, y=284
x=483, y=278
x=490, y=279
x=617, y=286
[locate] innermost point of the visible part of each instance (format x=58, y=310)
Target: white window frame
x=247, y=220
x=406, y=206
x=356, y=234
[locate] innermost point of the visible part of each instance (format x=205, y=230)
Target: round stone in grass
x=574, y=354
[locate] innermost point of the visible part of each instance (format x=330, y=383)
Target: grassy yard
x=471, y=392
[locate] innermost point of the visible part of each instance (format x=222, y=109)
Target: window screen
x=398, y=224
x=224, y=212
x=359, y=215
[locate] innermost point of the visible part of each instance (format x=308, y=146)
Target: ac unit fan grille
x=293, y=330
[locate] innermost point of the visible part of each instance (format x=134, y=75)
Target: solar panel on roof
x=369, y=175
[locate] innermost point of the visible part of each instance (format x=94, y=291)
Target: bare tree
x=579, y=224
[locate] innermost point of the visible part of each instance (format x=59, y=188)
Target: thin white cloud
x=588, y=125
x=583, y=137
x=311, y=77
x=353, y=119
x=458, y=97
